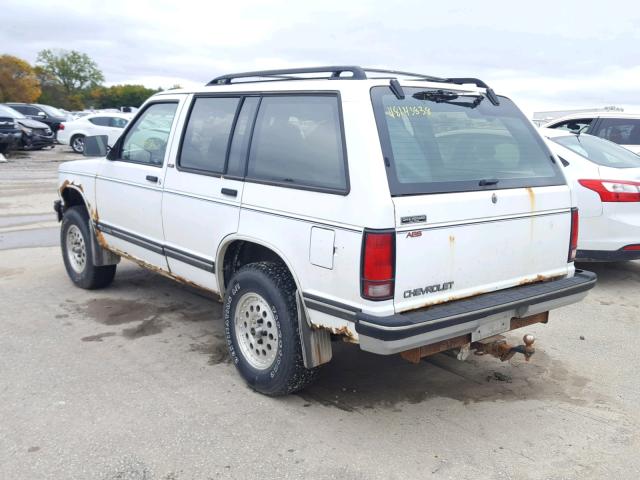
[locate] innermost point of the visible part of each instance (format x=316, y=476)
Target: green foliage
x=75, y=71
x=119, y=96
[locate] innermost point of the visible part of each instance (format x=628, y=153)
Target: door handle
x=152, y=178
x=229, y=191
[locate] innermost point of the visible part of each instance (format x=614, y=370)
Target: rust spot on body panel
x=532, y=198
x=347, y=334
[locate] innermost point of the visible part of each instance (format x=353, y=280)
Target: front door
x=129, y=186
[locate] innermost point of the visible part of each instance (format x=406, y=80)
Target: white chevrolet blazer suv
x=405, y=213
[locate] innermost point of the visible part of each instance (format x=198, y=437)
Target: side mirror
x=41, y=114
x=96, y=146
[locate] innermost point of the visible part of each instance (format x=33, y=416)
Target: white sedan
x=605, y=179
x=111, y=124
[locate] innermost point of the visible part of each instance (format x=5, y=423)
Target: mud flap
x=316, y=343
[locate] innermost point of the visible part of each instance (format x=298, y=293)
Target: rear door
x=623, y=131
x=480, y=203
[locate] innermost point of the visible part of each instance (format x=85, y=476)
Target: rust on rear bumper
x=493, y=346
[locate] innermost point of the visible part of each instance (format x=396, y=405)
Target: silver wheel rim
x=256, y=331
x=78, y=144
x=76, y=249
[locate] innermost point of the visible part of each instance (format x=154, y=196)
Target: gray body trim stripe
x=171, y=252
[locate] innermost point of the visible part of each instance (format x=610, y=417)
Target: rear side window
x=26, y=109
x=297, y=141
x=439, y=141
x=101, y=121
x=576, y=125
x=619, y=130
x=118, y=122
x=204, y=147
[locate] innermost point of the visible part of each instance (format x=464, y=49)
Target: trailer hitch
x=499, y=348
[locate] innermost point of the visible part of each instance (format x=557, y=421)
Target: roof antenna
x=396, y=88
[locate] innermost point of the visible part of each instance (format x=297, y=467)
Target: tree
x=120, y=96
x=75, y=71
x=18, y=81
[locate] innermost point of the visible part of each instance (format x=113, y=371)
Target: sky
x=546, y=55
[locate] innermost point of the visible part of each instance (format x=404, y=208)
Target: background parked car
x=34, y=134
x=620, y=128
x=605, y=179
x=43, y=113
x=10, y=134
x=111, y=124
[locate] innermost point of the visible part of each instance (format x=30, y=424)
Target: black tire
x=88, y=276
x=77, y=143
x=272, y=282
x=4, y=148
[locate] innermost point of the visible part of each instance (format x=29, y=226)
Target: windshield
x=10, y=112
x=602, y=152
x=437, y=141
x=52, y=111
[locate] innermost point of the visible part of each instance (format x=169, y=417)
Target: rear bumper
x=400, y=332
x=607, y=255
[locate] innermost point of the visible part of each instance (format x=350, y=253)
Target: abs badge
x=494, y=198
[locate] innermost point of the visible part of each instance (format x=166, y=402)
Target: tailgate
x=478, y=242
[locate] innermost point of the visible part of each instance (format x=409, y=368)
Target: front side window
x=100, y=121
x=620, y=131
x=600, y=151
x=204, y=146
x=146, y=141
x=439, y=141
x=297, y=141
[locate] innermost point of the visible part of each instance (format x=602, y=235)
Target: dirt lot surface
x=133, y=382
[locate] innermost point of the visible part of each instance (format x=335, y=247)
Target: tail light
x=632, y=248
x=378, y=265
x=573, y=242
x=614, y=190
x=61, y=126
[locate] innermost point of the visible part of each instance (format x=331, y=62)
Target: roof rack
x=357, y=73
x=336, y=72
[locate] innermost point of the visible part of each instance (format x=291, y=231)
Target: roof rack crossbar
x=357, y=73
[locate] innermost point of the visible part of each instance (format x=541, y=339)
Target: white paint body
x=480, y=245
x=604, y=226
x=84, y=126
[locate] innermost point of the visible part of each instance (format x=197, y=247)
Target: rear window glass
x=600, y=151
x=439, y=141
x=619, y=130
x=297, y=141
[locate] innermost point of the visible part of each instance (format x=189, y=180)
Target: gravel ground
x=133, y=382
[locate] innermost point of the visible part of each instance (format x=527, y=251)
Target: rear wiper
x=488, y=181
x=448, y=96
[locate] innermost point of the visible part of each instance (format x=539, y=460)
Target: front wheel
x=75, y=239
x=261, y=328
x=77, y=143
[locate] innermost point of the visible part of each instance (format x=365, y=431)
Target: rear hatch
x=480, y=204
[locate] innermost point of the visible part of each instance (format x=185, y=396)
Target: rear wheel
x=261, y=326
x=4, y=147
x=75, y=239
x=77, y=143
